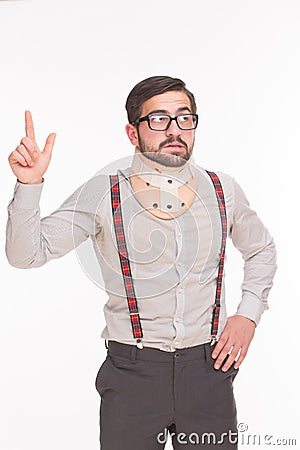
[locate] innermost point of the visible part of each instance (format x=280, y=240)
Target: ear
x=132, y=134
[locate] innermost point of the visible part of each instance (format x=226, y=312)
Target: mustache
x=171, y=140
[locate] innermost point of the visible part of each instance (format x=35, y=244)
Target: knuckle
x=222, y=340
x=228, y=349
x=233, y=356
x=222, y=356
x=240, y=360
x=243, y=353
x=14, y=154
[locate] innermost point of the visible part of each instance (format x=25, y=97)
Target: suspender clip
x=213, y=340
x=139, y=343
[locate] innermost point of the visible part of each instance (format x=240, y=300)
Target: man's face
x=171, y=147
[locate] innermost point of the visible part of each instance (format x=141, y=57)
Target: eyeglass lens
x=161, y=122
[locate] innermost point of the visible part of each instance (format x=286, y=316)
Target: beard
x=166, y=159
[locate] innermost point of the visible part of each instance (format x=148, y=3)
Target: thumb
x=49, y=144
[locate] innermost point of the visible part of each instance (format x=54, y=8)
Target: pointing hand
x=27, y=162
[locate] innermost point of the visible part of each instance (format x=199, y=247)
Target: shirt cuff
x=251, y=307
x=27, y=196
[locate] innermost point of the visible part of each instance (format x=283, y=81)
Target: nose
x=173, y=129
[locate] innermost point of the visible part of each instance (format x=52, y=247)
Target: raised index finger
x=29, y=125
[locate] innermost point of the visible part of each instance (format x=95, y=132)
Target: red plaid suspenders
x=124, y=260
x=125, y=264
x=222, y=209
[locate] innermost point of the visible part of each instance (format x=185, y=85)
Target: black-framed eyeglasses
x=161, y=122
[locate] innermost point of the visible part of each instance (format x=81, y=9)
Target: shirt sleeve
x=252, y=239
x=31, y=241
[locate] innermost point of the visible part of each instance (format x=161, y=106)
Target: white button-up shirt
x=174, y=262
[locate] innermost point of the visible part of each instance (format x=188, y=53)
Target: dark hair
x=149, y=88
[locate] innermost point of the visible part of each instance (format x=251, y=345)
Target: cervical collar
x=162, y=184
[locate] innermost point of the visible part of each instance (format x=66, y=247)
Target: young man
x=159, y=231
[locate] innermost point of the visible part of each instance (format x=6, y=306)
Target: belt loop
x=133, y=354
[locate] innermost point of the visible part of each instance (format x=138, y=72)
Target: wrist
x=36, y=181
x=247, y=319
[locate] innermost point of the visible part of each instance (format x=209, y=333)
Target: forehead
x=169, y=101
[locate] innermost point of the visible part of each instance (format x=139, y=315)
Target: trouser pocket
x=100, y=374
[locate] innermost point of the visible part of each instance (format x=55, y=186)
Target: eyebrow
x=164, y=111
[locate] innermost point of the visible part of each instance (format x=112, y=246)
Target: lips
x=174, y=145
x=174, y=148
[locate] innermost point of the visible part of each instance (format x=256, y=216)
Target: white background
x=72, y=63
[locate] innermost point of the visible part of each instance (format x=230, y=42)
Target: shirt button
x=180, y=290
x=178, y=319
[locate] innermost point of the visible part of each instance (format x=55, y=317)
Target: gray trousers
x=147, y=394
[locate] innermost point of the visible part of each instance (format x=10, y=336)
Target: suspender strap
x=124, y=260
x=222, y=208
